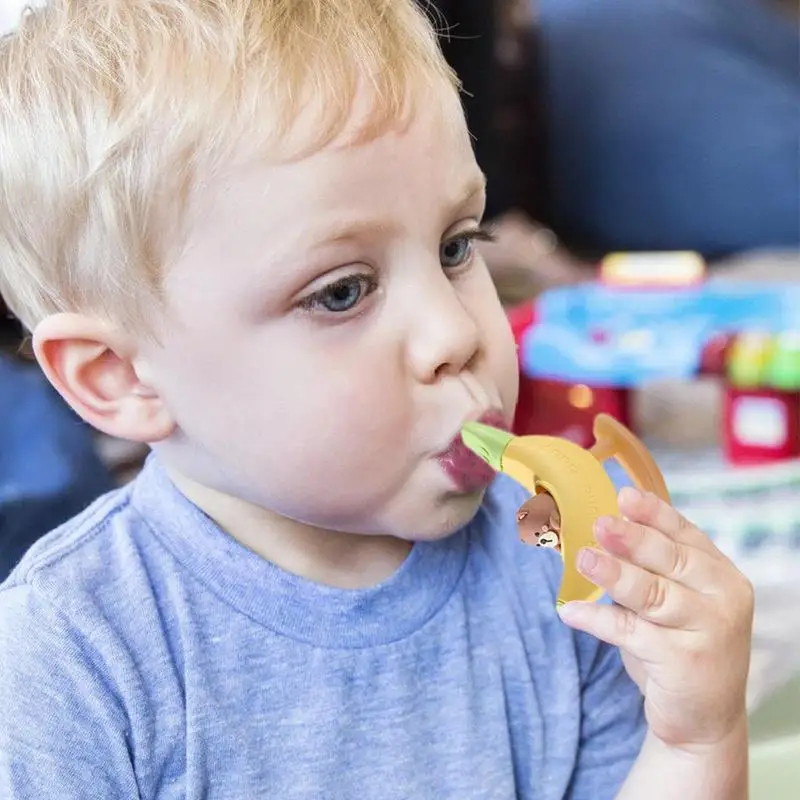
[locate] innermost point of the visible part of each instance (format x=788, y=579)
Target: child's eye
x=458, y=251
x=342, y=295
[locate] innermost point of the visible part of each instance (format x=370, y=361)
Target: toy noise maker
x=576, y=480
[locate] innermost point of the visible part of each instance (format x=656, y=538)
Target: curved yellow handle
x=614, y=440
x=581, y=489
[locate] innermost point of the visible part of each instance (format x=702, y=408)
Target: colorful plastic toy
x=585, y=349
x=576, y=480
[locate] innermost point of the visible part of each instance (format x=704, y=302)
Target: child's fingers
x=649, y=596
x=617, y=626
x=651, y=550
x=650, y=510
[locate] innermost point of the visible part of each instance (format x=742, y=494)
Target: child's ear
x=91, y=365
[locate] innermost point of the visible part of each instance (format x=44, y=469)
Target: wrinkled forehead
x=318, y=134
x=316, y=148
x=322, y=125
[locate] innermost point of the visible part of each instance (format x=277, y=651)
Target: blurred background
x=643, y=159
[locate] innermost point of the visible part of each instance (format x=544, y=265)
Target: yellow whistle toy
x=576, y=480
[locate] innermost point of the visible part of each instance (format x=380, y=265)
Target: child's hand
x=683, y=620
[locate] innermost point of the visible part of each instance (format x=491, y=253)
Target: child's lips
x=467, y=471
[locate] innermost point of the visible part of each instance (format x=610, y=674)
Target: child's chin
x=456, y=511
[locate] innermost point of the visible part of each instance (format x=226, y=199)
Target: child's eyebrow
x=343, y=231
x=475, y=186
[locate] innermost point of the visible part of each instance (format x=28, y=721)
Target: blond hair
x=112, y=111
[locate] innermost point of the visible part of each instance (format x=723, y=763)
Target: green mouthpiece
x=486, y=442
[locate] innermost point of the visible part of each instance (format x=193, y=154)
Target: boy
x=243, y=231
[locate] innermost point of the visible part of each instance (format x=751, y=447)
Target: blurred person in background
x=674, y=124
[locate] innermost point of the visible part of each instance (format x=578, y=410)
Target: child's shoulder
x=83, y=573
x=61, y=660
x=74, y=552
x=49, y=598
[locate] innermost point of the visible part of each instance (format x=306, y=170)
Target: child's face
x=331, y=326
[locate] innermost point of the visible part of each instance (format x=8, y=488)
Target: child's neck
x=331, y=558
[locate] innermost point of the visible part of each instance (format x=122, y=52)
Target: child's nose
x=445, y=337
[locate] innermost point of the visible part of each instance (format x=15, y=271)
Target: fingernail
x=603, y=524
x=567, y=611
x=587, y=561
x=613, y=534
x=570, y=611
x=630, y=495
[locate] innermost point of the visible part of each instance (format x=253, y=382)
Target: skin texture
x=311, y=436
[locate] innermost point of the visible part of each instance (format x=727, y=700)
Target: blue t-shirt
x=146, y=654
